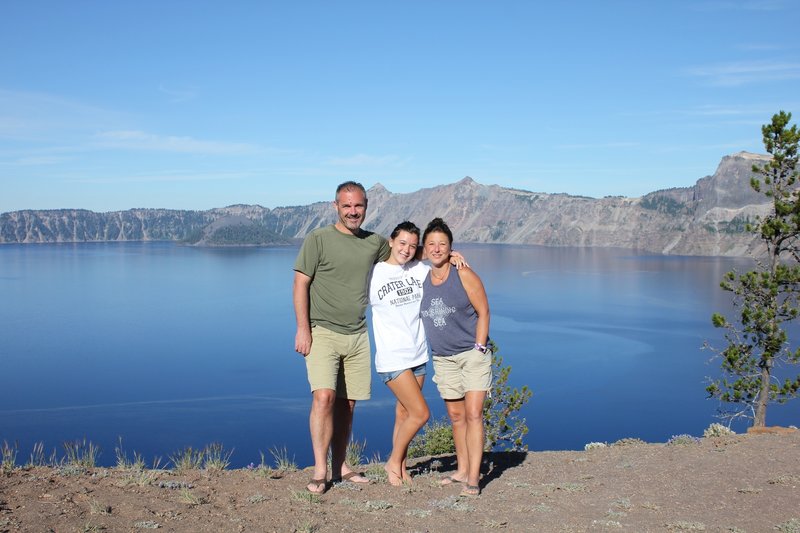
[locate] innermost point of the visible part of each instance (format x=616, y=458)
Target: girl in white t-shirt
x=401, y=349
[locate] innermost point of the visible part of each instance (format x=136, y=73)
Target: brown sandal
x=316, y=483
x=471, y=490
x=350, y=477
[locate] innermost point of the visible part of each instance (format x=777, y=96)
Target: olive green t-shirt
x=339, y=265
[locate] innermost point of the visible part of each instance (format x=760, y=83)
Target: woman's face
x=404, y=248
x=437, y=248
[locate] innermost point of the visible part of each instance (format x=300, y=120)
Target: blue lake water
x=167, y=346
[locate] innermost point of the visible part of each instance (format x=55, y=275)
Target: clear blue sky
x=111, y=105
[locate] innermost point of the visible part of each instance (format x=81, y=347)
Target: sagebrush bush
x=682, y=440
x=717, y=430
x=629, y=441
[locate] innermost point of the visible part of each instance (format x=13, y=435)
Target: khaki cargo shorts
x=340, y=362
x=455, y=375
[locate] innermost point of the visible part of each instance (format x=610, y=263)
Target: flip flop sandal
x=471, y=490
x=317, y=483
x=449, y=480
x=349, y=477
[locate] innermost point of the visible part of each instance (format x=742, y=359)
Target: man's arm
x=302, y=339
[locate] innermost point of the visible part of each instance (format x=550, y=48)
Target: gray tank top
x=448, y=317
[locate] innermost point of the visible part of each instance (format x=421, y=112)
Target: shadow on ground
x=492, y=467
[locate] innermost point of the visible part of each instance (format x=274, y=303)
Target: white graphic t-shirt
x=395, y=293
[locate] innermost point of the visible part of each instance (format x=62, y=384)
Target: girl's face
x=437, y=248
x=404, y=248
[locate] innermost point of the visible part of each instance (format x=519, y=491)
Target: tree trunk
x=760, y=418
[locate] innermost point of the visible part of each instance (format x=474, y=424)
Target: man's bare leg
x=321, y=427
x=342, y=426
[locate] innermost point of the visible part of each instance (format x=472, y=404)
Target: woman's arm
x=477, y=297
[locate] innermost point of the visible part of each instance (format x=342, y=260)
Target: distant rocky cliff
x=706, y=219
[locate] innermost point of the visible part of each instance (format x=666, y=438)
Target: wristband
x=481, y=348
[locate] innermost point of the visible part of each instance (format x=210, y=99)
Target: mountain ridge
x=707, y=218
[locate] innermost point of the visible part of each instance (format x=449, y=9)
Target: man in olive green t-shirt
x=330, y=302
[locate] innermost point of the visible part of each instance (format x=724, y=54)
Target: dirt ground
x=741, y=483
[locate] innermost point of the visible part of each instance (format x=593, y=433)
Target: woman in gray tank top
x=455, y=314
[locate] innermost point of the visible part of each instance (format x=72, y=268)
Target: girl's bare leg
x=407, y=390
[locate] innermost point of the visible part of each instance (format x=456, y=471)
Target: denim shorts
x=419, y=370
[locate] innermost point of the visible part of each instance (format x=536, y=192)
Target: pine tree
x=505, y=429
x=767, y=296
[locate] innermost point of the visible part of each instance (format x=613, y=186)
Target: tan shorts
x=340, y=362
x=455, y=375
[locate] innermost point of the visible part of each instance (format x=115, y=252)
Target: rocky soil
x=741, y=483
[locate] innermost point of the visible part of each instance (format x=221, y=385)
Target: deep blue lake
x=169, y=346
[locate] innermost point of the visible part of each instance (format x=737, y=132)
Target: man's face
x=351, y=207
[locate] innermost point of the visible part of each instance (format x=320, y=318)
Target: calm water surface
x=169, y=346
